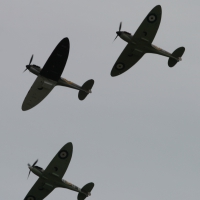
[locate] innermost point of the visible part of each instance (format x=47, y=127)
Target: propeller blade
x=31, y=59
x=118, y=32
x=29, y=173
x=31, y=166
x=120, y=26
x=115, y=38
x=35, y=163
x=28, y=66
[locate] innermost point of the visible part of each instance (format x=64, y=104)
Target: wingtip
x=91, y=80
x=70, y=144
x=65, y=40
x=158, y=7
x=92, y=183
x=23, y=109
x=113, y=74
x=183, y=48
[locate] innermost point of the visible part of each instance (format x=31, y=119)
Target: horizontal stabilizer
x=85, y=191
x=87, y=86
x=177, y=53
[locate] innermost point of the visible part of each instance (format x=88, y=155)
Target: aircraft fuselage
x=53, y=180
x=62, y=81
x=144, y=46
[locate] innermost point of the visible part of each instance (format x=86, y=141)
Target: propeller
x=118, y=32
x=28, y=66
x=31, y=166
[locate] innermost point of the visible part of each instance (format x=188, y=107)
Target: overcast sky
x=137, y=135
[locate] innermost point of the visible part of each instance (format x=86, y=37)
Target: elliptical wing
x=126, y=60
x=39, y=191
x=38, y=91
x=59, y=164
x=55, y=64
x=149, y=27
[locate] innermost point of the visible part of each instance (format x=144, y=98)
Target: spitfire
x=50, y=76
x=141, y=43
x=51, y=177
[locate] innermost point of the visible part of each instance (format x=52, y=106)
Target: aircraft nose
x=118, y=33
x=29, y=166
x=28, y=66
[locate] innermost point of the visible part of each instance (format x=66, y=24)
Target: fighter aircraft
x=51, y=177
x=50, y=76
x=141, y=43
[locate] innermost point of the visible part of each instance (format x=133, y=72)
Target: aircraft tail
x=177, y=53
x=87, y=86
x=86, y=189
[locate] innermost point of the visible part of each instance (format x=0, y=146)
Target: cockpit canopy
x=127, y=33
x=36, y=66
x=39, y=168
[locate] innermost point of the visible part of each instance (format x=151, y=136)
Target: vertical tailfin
x=85, y=191
x=87, y=86
x=177, y=53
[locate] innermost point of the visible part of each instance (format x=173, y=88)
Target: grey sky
x=137, y=135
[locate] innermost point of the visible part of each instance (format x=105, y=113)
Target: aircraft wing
x=126, y=60
x=58, y=166
x=55, y=64
x=39, y=191
x=149, y=27
x=39, y=90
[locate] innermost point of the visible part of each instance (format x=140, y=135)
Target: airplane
x=141, y=43
x=51, y=177
x=50, y=76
